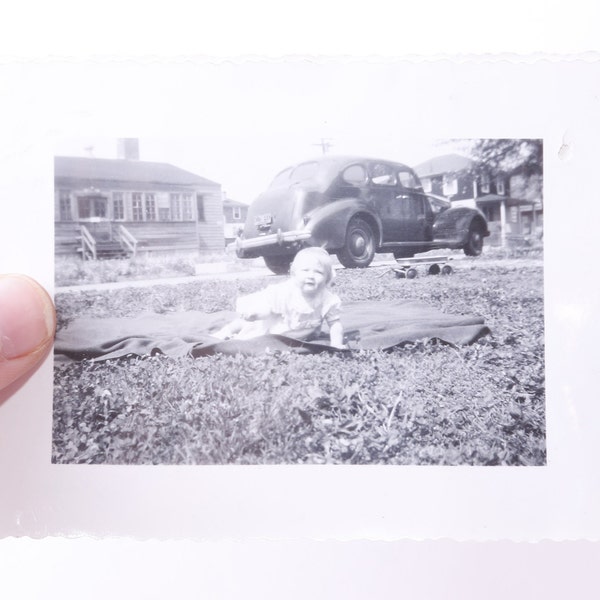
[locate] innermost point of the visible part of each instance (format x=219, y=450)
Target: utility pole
x=325, y=144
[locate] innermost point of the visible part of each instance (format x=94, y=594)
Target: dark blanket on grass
x=368, y=325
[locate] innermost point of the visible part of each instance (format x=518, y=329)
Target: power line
x=325, y=144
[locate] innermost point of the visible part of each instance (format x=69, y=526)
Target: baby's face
x=309, y=275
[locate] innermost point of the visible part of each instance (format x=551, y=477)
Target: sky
x=244, y=166
x=240, y=124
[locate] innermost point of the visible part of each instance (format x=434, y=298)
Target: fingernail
x=26, y=316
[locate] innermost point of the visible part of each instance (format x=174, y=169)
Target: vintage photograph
x=342, y=307
x=325, y=299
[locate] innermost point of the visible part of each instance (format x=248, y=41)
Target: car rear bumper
x=282, y=239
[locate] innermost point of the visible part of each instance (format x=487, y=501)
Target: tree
x=506, y=155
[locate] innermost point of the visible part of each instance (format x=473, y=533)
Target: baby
x=298, y=306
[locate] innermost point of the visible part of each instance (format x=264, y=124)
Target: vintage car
x=354, y=207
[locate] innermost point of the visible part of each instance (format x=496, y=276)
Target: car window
x=407, y=180
x=382, y=174
x=305, y=171
x=355, y=174
x=283, y=179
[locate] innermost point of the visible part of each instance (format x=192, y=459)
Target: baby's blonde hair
x=321, y=256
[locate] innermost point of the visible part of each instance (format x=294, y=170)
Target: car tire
x=474, y=243
x=280, y=265
x=359, y=245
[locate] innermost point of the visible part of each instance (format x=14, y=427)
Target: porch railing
x=127, y=239
x=88, y=244
x=91, y=246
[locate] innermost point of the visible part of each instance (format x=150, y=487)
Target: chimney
x=128, y=148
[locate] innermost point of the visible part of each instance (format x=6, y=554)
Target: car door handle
x=402, y=197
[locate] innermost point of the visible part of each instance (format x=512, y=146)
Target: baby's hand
x=336, y=335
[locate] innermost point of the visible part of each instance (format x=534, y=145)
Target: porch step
x=106, y=250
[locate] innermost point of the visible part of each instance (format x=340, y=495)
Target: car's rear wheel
x=280, y=265
x=359, y=246
x=474, y=244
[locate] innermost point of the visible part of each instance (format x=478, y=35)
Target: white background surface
x=554, y=100
x=86, y=568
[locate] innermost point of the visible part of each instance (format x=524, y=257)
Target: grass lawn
x=421, y=404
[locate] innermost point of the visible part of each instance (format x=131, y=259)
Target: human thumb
x=27, y=324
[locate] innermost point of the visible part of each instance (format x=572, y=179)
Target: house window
x=118, y=206
x=200, y=205
x=450, y=185
x=64, y=199
x=175, y=207
x=500, y=189
x=137, y=207
x=150, y=207
x=485, y=184
x=181, y=207
x=186, y=207
x=236, y=213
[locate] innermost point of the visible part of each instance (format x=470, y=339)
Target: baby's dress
x=290, y=311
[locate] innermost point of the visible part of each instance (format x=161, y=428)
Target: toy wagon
x=435, y=265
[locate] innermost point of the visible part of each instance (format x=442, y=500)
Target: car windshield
x=282, y=179
x=302, y=172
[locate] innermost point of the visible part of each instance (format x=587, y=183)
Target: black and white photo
x=420, y=336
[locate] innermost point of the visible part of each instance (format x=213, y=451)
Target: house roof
x=230, y=202
x=448, y=163
x=112, y=169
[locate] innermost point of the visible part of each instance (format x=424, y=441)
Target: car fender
x=456, y=222
x=328, y=223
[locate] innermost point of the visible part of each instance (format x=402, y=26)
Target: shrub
x=74, y=271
